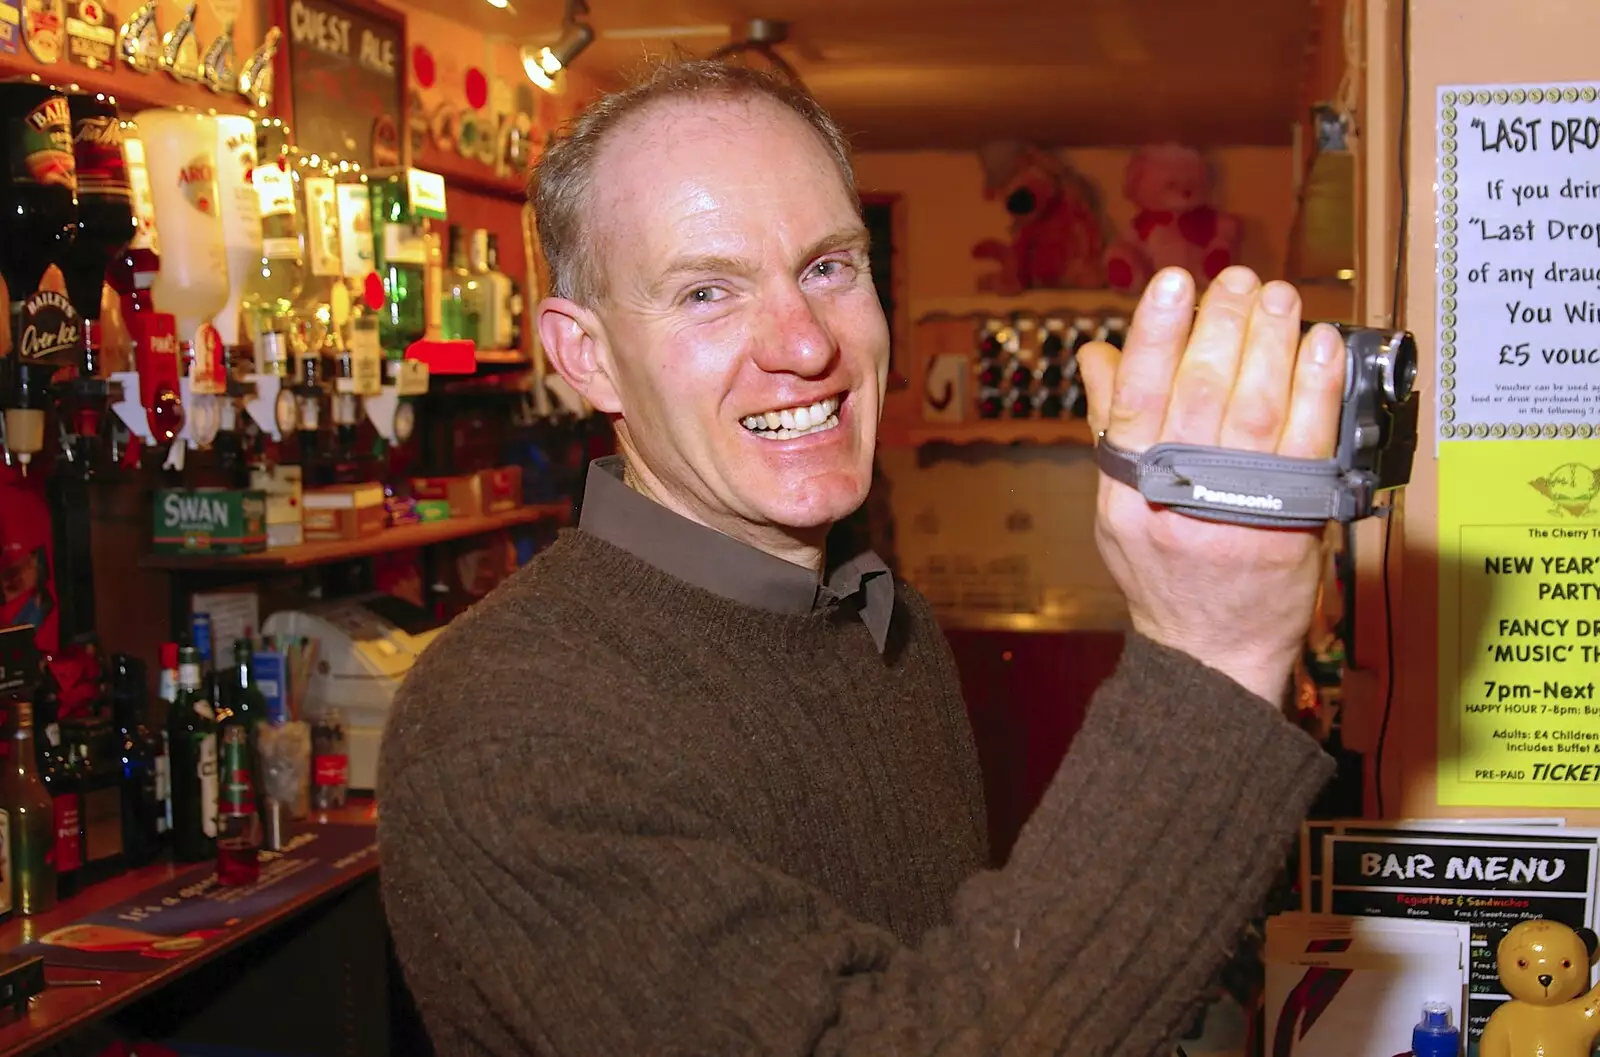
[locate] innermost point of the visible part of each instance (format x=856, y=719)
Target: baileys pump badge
x=49, y=330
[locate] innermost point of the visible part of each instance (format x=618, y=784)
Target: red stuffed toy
x=1056, y=233
x=1176, y=222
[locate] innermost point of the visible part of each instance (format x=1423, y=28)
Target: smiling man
x=690, y=785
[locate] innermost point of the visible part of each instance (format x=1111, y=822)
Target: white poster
x=1519, y=261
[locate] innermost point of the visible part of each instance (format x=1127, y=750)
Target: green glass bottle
x=192, y=744
x=461, y=293
x=245, y=705
x=401, y=256
x=30, y=818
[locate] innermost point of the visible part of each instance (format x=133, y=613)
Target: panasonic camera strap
x=1257, y=489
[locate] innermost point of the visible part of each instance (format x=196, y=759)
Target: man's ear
x=575, y=342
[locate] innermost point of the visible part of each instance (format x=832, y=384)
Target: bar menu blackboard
x=346, y=72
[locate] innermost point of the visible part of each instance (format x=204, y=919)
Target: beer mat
x=191, y=911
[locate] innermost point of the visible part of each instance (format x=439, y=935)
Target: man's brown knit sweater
x=623, y=816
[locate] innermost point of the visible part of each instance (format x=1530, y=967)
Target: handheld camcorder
x=1377, y=440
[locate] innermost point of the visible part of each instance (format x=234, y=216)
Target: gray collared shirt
x=715, y=562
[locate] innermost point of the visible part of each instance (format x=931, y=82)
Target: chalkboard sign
x=347, y=79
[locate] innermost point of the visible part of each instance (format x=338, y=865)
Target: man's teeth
x=793, y=422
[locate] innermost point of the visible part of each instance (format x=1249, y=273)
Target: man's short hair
x=562, y=178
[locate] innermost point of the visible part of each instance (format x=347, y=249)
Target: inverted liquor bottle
x=241, y=235
x=269, y=296
x=105, y=222
x=30, y=818
x=38, y=214
x=192, y=284
x=38, y=197
x=155, y=334
x=192, y=744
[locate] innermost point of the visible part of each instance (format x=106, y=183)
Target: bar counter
x=61, y=1012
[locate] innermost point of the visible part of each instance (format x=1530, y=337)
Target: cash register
x=365, y=647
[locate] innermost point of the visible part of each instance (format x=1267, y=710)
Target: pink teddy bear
x=1176, y=223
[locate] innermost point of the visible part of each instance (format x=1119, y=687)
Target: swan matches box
x=205, y=521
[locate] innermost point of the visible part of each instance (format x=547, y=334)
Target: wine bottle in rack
x=1113, y=330
x=1083, y=332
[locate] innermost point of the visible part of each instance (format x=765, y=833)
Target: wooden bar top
x=59, y=1011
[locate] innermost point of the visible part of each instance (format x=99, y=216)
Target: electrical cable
x=1403, y=152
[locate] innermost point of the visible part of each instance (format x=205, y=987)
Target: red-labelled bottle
x=238, y=823
x=58, y=769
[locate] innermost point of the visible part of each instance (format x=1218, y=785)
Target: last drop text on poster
x=1518, y=277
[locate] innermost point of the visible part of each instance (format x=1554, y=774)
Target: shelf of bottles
x=95, y=787
x=220, y=287
x=1022, y=381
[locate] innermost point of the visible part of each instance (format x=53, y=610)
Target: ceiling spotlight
x=542, y=65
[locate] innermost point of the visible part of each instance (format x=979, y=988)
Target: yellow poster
x=1519, y=623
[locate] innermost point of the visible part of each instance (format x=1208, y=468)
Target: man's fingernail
x=1170, y=287
x=1237, y=280
x=1325, y=345
x=1279, y=299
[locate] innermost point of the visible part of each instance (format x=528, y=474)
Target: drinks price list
x=1518, y=414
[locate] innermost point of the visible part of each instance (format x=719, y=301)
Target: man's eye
x=827, y=269
x=703, y=295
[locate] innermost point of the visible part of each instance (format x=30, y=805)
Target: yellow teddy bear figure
x=1553, y=1012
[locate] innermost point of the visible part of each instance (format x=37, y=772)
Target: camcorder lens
x=1405, y=368
x=1402, y=373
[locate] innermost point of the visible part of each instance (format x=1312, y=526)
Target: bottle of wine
x=19, y=667
x=192, y=742
x=167, y=691
x=143, y=813
x=30, y=818
x=58, y=770
x=243, y=704
x=100, y=783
